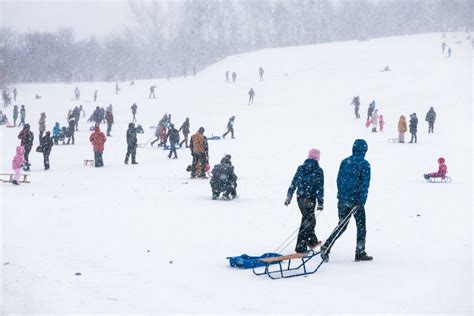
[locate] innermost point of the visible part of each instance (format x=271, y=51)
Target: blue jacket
x=353, y=178
x=56, y=130
x=309, y=179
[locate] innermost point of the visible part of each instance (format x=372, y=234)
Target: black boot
x=363, y=257
x=325, y=253
x=15, y=182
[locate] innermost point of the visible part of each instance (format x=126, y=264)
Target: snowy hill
x=146, y=238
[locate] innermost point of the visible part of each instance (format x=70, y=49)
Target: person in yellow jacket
x=402, y=129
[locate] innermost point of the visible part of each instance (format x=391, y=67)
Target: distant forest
x=176, y=38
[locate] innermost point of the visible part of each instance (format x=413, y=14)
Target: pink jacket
x=375, y=118
x=19, y=159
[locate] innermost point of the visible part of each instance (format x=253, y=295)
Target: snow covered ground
x=146, y=238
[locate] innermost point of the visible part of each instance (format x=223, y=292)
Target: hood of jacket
x=359, y=148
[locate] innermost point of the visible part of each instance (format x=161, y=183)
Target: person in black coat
x=27, y=137
x=431, y=118
x=185, y=129
x=173, y=136
x=224, y=180
x=131, y=144
x=71, y=129
x=413, y=125
x=356, y=103
x=309, y=183
x=47, y=145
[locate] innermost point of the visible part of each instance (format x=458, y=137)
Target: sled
x=88, y=162
x=367, y=124
x=168, y=147
x=446, y=179
x=246, y=262
x=10, y=126
x=214, y=138
x=284, y=267
x=393, y=140
x=143, y=145
x=23, y=179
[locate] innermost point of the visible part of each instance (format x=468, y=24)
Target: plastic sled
x=214, y=138
x=284, y=267
x=246, y=262
x=439, y=180
x=168, y=147
x=393, y=140
x=367, y=124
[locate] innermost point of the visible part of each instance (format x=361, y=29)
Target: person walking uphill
x=109, y=118
x=22, y=116
x=309, y=183
x=356, y=103
x=230, y=127
x=353, y=182
x=430, y=118
x=185, y=129
x=134, y=111
x=15, y=115
x=131, y=144
x=27, y=137
x=199, y=151
x=17, y=162
x=98, y=140
x=413, y=127
x=251, y=95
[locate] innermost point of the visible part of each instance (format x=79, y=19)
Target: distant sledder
x=439, y=176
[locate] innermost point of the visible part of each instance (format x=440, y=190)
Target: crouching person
x=224, y=180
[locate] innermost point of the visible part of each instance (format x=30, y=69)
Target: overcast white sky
x=85, y=17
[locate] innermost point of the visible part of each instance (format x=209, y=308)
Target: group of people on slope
x=413, y=125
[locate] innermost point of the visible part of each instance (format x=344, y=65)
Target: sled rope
x=342, y=223
x=288, y=241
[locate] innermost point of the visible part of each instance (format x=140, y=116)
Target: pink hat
x=314, y=154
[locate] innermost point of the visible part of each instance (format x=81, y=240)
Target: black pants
x=229, y=190
x=413, y=137
x=430, y=126
x=131, y=151
x=14, y=121
x=357, y=113
x=98, y=159
x=306, y=235
x=369, y=114
x=231, y=131
x=22, y=122
x=173, y=150
x=198, y=158
x=46, y=160
x=109, y=129
x=71, y=135
x=27, y=153
x=343, y=211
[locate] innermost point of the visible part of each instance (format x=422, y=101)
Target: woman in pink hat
x=309, y=185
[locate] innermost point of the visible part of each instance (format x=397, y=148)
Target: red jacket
x=97, y=139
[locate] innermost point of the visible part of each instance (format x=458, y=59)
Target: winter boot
x=325, y=253
x=134, y=163
x=314, y=245
x=363, y=257
x=15, y=182
x=427, y=176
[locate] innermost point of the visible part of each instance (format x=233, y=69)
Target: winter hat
x=441, y=160
x=314, y=154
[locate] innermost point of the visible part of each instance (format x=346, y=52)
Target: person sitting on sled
x=442, y=170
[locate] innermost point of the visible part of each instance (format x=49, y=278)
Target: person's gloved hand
x=320, y=207
x=288, y=201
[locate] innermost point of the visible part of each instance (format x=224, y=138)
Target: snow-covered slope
x=146, y=238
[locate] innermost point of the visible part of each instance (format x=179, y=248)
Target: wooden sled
x=23, y=177
x=284, y=267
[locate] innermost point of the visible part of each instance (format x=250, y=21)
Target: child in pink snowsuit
x=17, y=163
x=442, y=170
x=381, y=122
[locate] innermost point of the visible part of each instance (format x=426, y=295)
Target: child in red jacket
x=381, y=122
x=442, y=170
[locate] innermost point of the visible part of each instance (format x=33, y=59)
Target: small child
x=17, y=163
x=381, y=123
x=442, y=170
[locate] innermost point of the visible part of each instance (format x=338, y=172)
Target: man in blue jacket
x=353, y=182
x=309, y=180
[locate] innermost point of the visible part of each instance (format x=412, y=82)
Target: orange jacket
x=198, y=143
x=97, y=139
x=402, y=125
